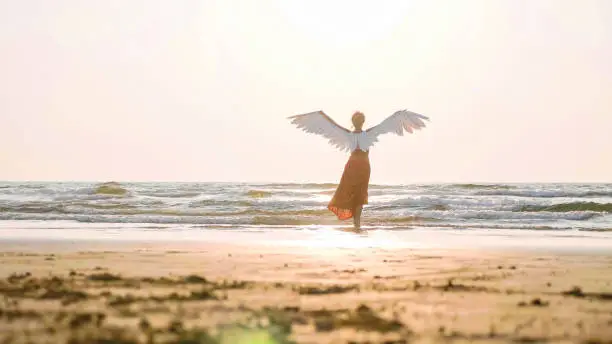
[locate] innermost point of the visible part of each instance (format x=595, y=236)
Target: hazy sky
x=517, y=90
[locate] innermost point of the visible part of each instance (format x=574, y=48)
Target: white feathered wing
x=319, y=123
x=397, y=123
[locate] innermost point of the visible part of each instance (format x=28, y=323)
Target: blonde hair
x=358, y=119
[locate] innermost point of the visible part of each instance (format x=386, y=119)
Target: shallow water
x=242, y=206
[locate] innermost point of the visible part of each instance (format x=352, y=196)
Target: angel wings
x=319, y=123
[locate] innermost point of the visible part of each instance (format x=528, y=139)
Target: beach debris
x=104, y=276
x=322, y=290
x=195, y=279
x=350, y=271
x=81, y=319
x=16, y=277
x=122, y=300
x=452, y=286
x=536, y=302
x=362, y=318
x=144, y=325
x=575, y=291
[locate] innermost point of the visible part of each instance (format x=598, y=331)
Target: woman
x=352, y=192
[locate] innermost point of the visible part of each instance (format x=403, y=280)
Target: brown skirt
x=352, y=191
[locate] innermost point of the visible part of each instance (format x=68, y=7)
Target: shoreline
x=414, y=237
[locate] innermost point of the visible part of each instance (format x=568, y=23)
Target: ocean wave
x=219, y=202
x=25, y=186
x=442, y=202
x=130, y=210
x=514, y=226
x=597, y=194
x=438, y=207
x=184, y=194
x=324, y=186
x=406, y=219
x=327, y=192
x=258, y=194
x=570, y=207
x=412, y=204
x=545, y=193
x=287, y=222
x=212, y=208
x=110, y=188
x=107, y=206
x=170, y=219
x=32, y=208
x=275, y=220
x=300, y=185
x=504, y=215
x=435, y=205
x=483, y=186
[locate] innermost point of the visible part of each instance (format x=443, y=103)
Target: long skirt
x=352, y=191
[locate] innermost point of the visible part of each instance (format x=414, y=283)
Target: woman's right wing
x=319, y=123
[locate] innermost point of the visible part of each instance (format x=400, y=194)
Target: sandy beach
x=192, y=172
x=207, y=291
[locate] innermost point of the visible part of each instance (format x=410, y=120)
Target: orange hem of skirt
x=342, y=214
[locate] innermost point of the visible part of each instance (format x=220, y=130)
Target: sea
x=252, y=206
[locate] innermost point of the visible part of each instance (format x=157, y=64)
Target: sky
x=155, y=90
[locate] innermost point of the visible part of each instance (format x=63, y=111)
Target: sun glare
x=342, y=23
x=332, y=240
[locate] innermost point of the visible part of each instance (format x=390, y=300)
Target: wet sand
x=219, y=292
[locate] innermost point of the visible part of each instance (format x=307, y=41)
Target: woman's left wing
x=319, y=123
x=397, y=123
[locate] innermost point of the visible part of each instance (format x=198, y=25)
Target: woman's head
x=358, y=119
